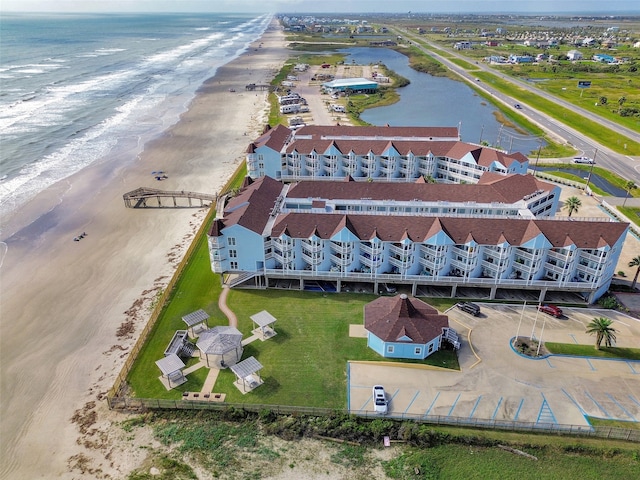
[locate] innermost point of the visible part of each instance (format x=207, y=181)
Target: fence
x=626, y=434
x=162, y=300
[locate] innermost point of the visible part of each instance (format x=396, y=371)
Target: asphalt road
x=623, y=165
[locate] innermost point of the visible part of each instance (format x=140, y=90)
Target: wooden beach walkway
x=141, y=196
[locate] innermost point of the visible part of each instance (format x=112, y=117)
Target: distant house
x=609, y=43
x=588, y=42
x=404, y=327
x=603, y=57
x=491, y=43
x=462, y=46
x=574, y=55
x=521, y=59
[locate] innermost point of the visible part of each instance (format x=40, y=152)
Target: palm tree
x=601, y=327
x=630, y=185
x=635, y=262
x=572, y=204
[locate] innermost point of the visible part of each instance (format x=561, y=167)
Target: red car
x=551, y=310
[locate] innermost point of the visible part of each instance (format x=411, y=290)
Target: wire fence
x=118, y=400
x=614, y=433
x=121, y=378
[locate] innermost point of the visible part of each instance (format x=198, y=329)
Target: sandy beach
x=64, y=301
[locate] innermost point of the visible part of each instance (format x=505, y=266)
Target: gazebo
x=264, y=325
x=246, y=372
x=171, y=367
x=196, y=322
x=220, y=346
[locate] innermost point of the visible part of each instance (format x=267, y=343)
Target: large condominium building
x=392, y=154
x=496, y=236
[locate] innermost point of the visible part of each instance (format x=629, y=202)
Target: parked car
x=469, y=307
x=518, y=106
x=380, y=404
x=385, y=288
x=583, y=160
x=551, y=310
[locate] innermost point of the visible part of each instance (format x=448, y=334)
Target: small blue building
x=403, y=327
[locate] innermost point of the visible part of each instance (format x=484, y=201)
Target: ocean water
x=78, y=89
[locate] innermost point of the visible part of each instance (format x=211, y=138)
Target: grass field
x=590, y=351
x=304, y=364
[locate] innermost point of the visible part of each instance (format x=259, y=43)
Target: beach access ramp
x=154, y=198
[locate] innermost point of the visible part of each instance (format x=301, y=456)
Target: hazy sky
x=341, y=6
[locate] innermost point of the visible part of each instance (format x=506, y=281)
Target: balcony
x=558, y=256
x=342, y=260
x=463, y=265
x=216, y=242
x=283, y=245
x=463, y=252
x=431, y=262
x=556, y=268
x=402, y=262
x=312, y=258
x=311, y=246
x=593, y=258
x=400, y=250
x=525, y=255
x=434, y=251
x=372, y=261
x=341, y=248
x=371, y=250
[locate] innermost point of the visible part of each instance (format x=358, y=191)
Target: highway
x=623, y=165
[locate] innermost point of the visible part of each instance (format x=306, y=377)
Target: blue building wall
x=402, y=349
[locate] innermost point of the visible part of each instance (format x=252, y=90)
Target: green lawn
x=304, y=364
x=590, y=351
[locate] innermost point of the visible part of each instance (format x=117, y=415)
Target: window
x=234, y=265
x=430, y=347
x=418, y=351
x=233, y=253
x=389, y=348
x=231, y=241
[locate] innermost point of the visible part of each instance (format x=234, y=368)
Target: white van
x=338, y=108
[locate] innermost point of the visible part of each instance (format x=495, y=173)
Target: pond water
x=596, y=180
x=438, y=102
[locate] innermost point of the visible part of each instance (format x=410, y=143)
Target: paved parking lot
x=496, y=383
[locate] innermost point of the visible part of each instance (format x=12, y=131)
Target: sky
x=327, y=6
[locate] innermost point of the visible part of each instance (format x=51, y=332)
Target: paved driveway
x=498, y=384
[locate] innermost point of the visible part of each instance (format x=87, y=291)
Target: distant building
x=396, y=154
x=355, y=85
x=462, y=46
x=520, y=58
x=603, y=57
x=574, y=55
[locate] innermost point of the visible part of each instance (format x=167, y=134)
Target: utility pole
x=535, y=170
x=586, y=188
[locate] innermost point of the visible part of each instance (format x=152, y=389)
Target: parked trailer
x=295, y=108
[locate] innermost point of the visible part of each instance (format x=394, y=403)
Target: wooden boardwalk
x=153, y=198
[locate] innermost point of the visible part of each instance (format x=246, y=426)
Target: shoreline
x=63, y=302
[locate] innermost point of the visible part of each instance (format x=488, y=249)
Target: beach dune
x=63, y=301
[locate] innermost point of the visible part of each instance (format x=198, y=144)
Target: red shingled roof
x=336, y=131
x=392, y=318
x=497, y=188
x=484, y=231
